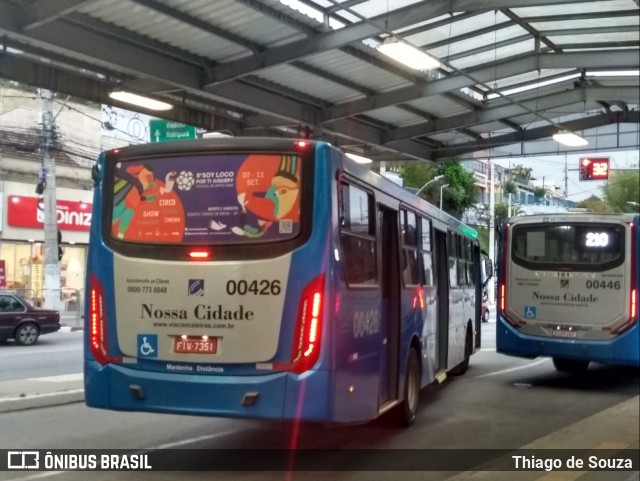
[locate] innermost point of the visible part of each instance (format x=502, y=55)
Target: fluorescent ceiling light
x=139, y=100
x=614, y=73
x=524, y=88
x=359, y=158
x=569, y=139
x=407, y=54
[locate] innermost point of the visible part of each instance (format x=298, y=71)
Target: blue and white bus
x=273, y=279
x=568, y=289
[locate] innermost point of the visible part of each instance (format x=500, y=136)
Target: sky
x=552, y=169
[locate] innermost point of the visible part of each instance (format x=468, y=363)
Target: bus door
x=442, y=279
x=390, y=301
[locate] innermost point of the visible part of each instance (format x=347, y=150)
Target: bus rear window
x=206, y=199
x=590, y=247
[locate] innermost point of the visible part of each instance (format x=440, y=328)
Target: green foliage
x=509, y=187
x=483, y=238
x=622, y=191
x=594, y=204
x=521, y=174
x=417, y=174
x=501, y=213
x=460, y=195
x=539, y=192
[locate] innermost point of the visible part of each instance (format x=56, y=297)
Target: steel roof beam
x=486, y=48
x=530, y=29
x=487, y=73
x=589, y=31
x=545, y=131
x=500, y=113
x=135, y=61
x=393, y=20
x=42, y=12
x=580, y=16
x=64, y=81
x=198, y=24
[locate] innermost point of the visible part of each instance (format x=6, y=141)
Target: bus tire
x=461, y=368
x=573, y=366
x=406, y=412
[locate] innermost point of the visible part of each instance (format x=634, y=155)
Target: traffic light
x=594, y=168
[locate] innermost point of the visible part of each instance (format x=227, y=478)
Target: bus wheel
x=570, y=365
x=468, y=347
x=406, y=412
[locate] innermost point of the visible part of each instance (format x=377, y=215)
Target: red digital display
x=594, y=168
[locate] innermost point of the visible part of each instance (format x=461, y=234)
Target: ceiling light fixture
x=139, y=100
x=407, y=54
x=569, y=139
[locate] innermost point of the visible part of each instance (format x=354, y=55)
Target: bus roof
x=571, y=217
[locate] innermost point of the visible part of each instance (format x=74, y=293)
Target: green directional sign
x=167, y=131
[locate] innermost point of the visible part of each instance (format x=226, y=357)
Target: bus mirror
x=488, y=268
x=95, y=173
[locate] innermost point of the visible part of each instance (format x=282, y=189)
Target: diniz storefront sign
x=28, y=212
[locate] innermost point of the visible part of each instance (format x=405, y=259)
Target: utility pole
x=51, y=262
x=566, y=181
x=492, y=225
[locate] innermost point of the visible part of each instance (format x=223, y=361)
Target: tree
x=594, y=204
x=461, y=192
x=501, y=213
x=509, y=187
x=521, y=174
x=417, y=175
x=539, y=192
x=622, y=191
x=457, y=197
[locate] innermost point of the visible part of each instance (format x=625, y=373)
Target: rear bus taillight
x=502, y=287
x=633, y=291
x=308, y=333
x=98, y=339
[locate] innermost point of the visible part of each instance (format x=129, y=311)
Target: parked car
x=21, y=321
x=484, y=312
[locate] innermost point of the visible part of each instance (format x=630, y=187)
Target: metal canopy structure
x=512, y=72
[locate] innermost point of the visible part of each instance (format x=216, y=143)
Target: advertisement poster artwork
x=207, y=199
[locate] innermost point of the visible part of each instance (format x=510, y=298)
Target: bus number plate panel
x=564, y=333
x=195, y=345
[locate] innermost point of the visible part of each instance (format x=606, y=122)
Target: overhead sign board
x=594, y=168
x=167, y=131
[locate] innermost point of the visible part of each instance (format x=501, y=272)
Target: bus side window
x=427, y=260
x=357, y=235
x=411, y=263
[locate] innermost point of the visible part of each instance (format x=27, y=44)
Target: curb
x=34, y=401
x=70, y=328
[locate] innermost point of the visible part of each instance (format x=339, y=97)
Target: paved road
x=501, y=403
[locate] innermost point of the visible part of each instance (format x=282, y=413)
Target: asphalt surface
x=18, y=395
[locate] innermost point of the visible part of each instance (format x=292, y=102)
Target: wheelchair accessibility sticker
x=147, y=345
x=530, y=312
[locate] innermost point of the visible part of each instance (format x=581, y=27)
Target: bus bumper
x=273, y=395
x=623, y=350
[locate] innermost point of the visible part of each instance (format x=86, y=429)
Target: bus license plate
x=195, y=345
x=564, y=333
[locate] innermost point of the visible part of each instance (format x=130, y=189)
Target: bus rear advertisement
x=568, y=289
